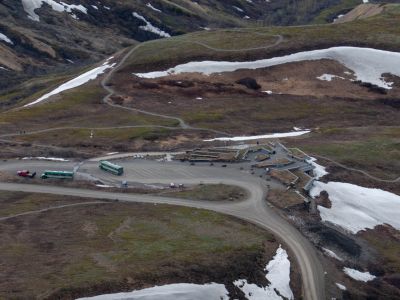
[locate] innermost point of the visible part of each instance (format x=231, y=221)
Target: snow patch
x=31, y=5
x=358, y=275
x=357, y=208
x=328, y=77
x=6, y=39
x=78, y=81
x=104, y=186
x=332, y=254
x=278, y=274
x=238, y=8
x=45, y=158
x=152, y=7
x=267, y=92
x=257, y=137
x=368, y=64
x=179, y=291
x=149, y=27
x=318, y=171
x=341, y=286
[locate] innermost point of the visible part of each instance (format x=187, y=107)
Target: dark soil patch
x=249, y=82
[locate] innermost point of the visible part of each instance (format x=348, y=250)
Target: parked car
x=26, y=173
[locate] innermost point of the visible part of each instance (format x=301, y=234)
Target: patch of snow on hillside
x=31, y=5
x=357, y=208
x=328, y=77
x=255, y=292
x=357, y=275
x=149, y=27
x=78, y=81
x=104, y=186
x=332, y=254
x=341, y=286
x=367, y=64
x=258, y=137
x=179, y=291
x=318, y=171
x=6, y=39
x=149, y=5
x=45, y=158
x=278, y=274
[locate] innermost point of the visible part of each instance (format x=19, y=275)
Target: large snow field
x=357, y=208
x=31, y=5
x=179, y=291
x=367, y=64
x=257, y=137
x=277, y=273
x=78, y=81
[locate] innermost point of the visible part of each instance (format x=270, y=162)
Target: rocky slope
x=42, y=36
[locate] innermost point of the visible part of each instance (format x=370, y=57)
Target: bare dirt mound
x=361, y=12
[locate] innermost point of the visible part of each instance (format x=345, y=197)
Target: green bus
x=110, y=167
x=57, y=174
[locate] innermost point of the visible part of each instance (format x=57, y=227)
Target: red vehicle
x=26, y=173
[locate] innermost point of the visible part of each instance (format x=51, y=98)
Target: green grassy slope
x=118, y=247
x=381, y=31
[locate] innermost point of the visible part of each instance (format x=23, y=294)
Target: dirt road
x=254, y=209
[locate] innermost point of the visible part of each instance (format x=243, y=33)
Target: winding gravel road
x=254, y=209
x=279, y=40
x=104, y=83
x=182, y=124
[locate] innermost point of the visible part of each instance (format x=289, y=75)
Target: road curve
x=279, y=40
x=254, y=209
x=104, y=84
